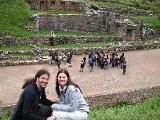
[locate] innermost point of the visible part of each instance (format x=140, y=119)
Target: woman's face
x=62, y=79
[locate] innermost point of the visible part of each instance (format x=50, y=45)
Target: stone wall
x=111, y=99
x=157, y=32
x=45, y=52
x=129, y=10
x=71, y=22
x=98, y=21
x=29, y=40
x=23, y=62
x=63, y=5
x=55, y=40
x=131, y=96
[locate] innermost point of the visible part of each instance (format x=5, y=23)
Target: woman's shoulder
x=72, y=88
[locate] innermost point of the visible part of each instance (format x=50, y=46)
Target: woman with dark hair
x=33, y=104
x=72, y=105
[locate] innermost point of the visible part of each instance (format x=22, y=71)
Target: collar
x=62, y=89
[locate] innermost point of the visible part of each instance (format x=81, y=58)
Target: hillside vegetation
x=154, y=5
x=15, y=15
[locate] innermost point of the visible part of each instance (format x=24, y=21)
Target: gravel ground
x=143, y=70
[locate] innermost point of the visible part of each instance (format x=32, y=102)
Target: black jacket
x=28, y=104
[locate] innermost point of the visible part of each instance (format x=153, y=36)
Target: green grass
x=148, y=110
x=112, y=3
x=15, y=47
x=102, y=34
x=66, y=45
x=151, y=21
x=103, y=4
x=83, y=45
x=141, y=4
x=16, y=13
x=5, y=116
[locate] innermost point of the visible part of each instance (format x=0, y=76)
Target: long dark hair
x=33, y=80
x=69, y=81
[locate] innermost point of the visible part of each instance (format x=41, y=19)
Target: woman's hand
x=51, y=118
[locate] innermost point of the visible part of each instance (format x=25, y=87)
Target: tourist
x=33, y=104
x=69, y=60
x=84, y=59
x=72, y=105
x=82, y=64
x=51, y=41
x=124, y=67
x=91, y=64
x=121, y=59
x=58, y=62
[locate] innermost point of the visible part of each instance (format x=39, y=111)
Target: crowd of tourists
x=102, y=59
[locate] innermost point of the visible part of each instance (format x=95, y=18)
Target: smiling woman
x=72, y=105
x=62, y=79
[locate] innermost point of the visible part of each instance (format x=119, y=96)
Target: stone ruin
x=94, y=20
x=63, y=5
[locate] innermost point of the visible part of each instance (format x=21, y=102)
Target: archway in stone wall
x=43, y=5
x=118, y=28
x=52, y=5
x=129, y=34
x=62, y=5
x=73, y=6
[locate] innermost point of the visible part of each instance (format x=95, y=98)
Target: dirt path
x=143, y=70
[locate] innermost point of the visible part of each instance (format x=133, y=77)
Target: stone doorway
x=43, y=5
x=118, y=29
x=129, y=34
x=62, y=5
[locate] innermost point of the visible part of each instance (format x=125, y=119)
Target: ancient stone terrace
x=97, y=21
x=63, y=5
x=102, y=20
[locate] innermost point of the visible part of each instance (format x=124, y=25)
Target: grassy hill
x=15, y=16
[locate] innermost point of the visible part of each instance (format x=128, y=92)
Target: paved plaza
x=143, y=70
